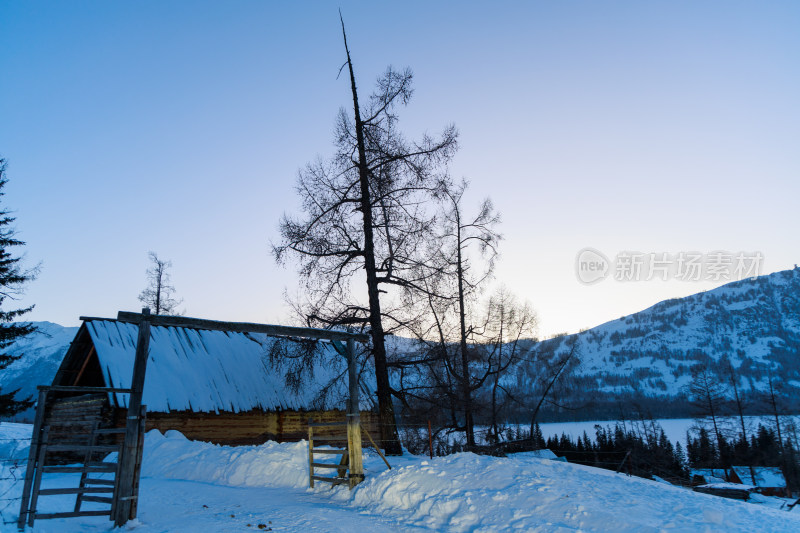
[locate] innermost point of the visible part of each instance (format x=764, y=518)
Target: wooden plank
x=83, y=366
x=138, y=469
x=378, y=449
x=333, y=438
x=37, y=478
x=75, y=490
x=326, y=424
x=44, y=516
x=326, y=465
x=239, y=327
x=333, y=452
x=97, y=481
x=334, y=480
x=101, y=463
x=79, y=469
x=99, y=499
x=129, y=454
x=70, y=388
x=99, y=448
x=32, y=454
x=110, y=431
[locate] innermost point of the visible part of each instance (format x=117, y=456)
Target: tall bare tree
x=508, y=324
x=462, y=235
x=366, y=217
x=708, y=396
x=159, y=293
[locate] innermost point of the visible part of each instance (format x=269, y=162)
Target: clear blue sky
x=179, y=127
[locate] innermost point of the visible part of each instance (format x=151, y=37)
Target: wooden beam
x=70, y=388
x=130, y=451
x=36, y=441
x=239, y=327
x=83, y=367
x=43, y=516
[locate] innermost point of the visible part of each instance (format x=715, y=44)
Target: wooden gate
x=75, y=430
x=324, y=438
x=125, y=490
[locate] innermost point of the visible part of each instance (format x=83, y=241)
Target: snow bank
x=173, y=456
x=466, y=492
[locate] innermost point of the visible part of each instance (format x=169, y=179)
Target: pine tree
x=12, y=281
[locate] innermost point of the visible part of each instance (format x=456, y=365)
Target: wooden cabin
x=223, y=387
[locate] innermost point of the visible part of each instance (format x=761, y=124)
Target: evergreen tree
x=12, y=281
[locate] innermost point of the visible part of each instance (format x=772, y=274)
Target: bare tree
x=738, y=400
x=708, y=396
x=552, y=368
x=365, y=220
x=159, y=293
x=508, y=324
x=462, y=235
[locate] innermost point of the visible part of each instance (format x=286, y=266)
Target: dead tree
x=508, y=324
x=552, y=368
x=462, y=235
x=158, y=295
x=365, y=219
x=708, y=397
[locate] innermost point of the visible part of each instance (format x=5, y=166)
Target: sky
x=179, y=127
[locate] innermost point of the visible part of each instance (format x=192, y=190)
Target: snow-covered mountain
x=752, y=324
x=644, y=358
x=41, y=352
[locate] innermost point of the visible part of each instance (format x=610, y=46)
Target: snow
x=763, y=476
x=14, y=441
x=194, y=486
x=191, y=369
x=727, y=485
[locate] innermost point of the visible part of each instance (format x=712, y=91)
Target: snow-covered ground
x=193, y=486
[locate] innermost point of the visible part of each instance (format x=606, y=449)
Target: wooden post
x=354, y=419
x=137, y=470
x=32, y=456
x=130, y=451
x=430, y=439
x=311, y=453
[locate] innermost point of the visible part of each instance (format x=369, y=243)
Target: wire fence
x=13, y=463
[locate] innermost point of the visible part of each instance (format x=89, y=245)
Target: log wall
x=251, y=427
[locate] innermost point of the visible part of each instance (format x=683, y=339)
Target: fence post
x=354, y=419
x=32, y=456
x=430, y=439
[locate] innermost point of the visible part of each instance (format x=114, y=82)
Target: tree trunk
x=738, y=404
x=465, y=378
x=388, y=425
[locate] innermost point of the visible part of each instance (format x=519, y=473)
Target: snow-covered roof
x=711, y=475
x=544, y=453
x=213, y=371
x=762, y=476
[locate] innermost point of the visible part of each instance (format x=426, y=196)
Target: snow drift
x=467, y=492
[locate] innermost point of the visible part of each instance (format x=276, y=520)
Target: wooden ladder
x=88, y=489
x=67, y=431
x=343, y=474
x=342, y=467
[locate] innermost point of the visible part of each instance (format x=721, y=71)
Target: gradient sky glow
x=179, y=127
